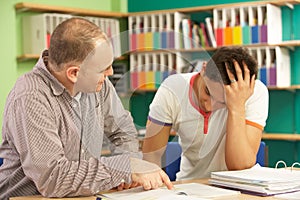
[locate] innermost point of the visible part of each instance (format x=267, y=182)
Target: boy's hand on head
x=239, y=91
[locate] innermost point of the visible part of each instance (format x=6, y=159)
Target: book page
x=182, y=191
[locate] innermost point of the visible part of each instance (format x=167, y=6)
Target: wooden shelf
x=26, y=57
x=143, y=90
x=274, y=136
x=219, y=6
x=290, y=43
x=292, y=87
x=281, y=136
x=24, y=6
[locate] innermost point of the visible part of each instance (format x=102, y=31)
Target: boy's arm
x=155, y=142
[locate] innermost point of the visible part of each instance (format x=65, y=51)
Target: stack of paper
x=289, y=196
x=190, y=191
x=263, y=181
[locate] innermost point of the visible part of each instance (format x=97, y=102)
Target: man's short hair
x=72, y=41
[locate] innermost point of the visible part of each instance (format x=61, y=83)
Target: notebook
x=262, y=181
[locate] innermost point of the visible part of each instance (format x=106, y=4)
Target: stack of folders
x=261, y=181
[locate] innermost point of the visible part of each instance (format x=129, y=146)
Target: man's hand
x=148, y=175
x=125, y=186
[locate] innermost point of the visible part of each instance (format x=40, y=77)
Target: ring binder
x=278, y=162
x=261, y=181
x=295, y=163
x=285, y=166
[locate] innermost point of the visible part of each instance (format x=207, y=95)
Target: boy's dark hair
x=216, y=68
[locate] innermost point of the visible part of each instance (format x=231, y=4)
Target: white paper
x=182, y=191
x=289, y=196
x=263, y=180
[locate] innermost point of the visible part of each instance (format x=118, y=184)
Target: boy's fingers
x=230, y=75
x=238, y=70
x=246, y=73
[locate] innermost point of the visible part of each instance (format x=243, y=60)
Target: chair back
x=261, y=154
x=172, y=159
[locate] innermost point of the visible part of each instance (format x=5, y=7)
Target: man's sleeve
x=38, y=142
x=118, y=123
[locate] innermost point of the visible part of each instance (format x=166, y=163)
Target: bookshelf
x=99, y=17
x=291, y=44
x=285, y=106
x=143, y=25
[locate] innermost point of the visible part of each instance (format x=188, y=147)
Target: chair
x=261, y=154
x=171, y=159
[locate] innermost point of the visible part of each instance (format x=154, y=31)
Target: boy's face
x=95, y=68
x=211, y=93
x=216, y=93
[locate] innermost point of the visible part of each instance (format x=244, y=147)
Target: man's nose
x=109, y=72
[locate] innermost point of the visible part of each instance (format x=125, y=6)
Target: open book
x=262, y=181
x=193, y=191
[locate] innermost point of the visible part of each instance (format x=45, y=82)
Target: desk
x=204, y=181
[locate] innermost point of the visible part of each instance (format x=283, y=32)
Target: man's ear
x=204, y=65
x=72, y=73
x=202, y=71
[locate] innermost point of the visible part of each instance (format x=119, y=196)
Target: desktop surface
x=204, y=181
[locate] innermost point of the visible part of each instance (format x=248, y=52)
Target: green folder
x=246, y=32
x=156, y=40
x=158, y=78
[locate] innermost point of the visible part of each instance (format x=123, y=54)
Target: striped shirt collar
x=41, y=66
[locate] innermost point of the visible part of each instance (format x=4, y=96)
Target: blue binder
x=254, y=34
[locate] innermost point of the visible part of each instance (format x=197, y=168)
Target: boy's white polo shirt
x=201, y=135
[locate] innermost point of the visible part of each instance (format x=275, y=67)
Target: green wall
x=138, y=5
x=8, y=68
x=11, y=38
